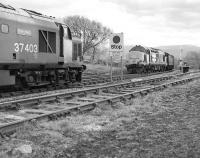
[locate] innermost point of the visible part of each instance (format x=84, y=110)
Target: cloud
x=40, y=5
x=147, y=22
x=175, y=13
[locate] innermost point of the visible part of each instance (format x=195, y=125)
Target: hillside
x=176, y=49
x=189, y=54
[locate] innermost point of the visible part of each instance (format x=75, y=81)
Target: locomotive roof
x=6, y=10
x=136, y=46
x=146, y=48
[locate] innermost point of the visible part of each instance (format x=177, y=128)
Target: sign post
x=121, y=68
x=111, y=67
x=116, y=46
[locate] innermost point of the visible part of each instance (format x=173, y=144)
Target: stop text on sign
x=116, y=46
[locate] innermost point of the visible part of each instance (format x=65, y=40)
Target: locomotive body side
x=23, y=45
x=170, y=61
x=157, y=58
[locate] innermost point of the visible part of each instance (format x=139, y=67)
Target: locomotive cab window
x=145, y=58
x=67, y=33
x=47, y=41
x=4, y=28
x=163, y=58
x=77, y=51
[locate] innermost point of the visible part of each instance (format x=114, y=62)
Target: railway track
x=41, y=93
x=16, y=113
x=88, y=80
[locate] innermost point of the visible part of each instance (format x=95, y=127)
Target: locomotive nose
x=133, y=60
x=84, y=67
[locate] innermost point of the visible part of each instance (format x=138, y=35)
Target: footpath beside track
x=61, y=104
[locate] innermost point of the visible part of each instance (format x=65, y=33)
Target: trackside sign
x=116, y=42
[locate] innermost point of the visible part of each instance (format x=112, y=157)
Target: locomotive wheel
x=130, y=70
x=31, y=78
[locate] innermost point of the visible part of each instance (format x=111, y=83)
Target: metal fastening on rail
x=57, y=99
x=164, y=86
x=148, y=90
x=78, y=109
x=133, y=95
x=85, y=93
x=97, y=91
x=144, y=92
x=18, y=106
x=123, y=99
x=95, y=105
x=110, y=101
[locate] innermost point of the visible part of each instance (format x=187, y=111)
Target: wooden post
x=121, y=68
x=111, y=69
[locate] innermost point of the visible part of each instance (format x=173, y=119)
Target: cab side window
x=67, y=33
x=145, y=58
x=47, y=41
x=4, y=28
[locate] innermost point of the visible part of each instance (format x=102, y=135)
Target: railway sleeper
x=143, y=93
x=28, y=103
x=85, y=108
x=11, y=107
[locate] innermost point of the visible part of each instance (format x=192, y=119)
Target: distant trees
x=193, y=59
x=93, y=33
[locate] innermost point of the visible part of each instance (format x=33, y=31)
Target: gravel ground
x=160, y=125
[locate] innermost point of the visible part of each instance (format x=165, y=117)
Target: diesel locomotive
x=36, y=50
x=146, y=59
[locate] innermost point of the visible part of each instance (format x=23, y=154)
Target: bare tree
x=93, y=33
x=193, y=59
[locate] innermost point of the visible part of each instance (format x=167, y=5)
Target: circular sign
x=116, y=39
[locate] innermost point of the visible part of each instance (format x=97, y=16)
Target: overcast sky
x=145, y=22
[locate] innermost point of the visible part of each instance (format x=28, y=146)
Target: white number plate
x=29, y=48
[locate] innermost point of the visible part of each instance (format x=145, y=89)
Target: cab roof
x=24, y=12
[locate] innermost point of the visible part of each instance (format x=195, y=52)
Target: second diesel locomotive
x=36, y=50
x=146, y=59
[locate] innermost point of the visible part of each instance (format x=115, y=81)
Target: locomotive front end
x=36, y=50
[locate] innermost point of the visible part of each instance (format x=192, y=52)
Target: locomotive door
x=77, y=51
x=65, y=44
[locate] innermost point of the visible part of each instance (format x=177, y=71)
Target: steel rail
x=56, y=96
x=88, y=80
